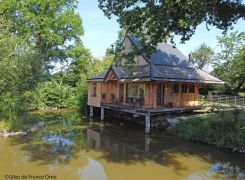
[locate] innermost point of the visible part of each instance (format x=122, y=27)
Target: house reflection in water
x=103, y=141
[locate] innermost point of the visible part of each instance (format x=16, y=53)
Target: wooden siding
x=108, y=92
x=94, y=100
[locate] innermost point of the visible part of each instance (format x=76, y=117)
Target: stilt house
x=165, y=82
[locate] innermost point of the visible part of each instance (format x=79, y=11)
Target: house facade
x=164, y=82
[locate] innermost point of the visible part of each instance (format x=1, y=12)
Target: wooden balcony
x=140, y=106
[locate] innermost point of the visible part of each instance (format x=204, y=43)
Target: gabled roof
x=165, y=54
x=166, y=63
x=98, y=77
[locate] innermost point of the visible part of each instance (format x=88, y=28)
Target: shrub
x=225, y=129
x=52, y=94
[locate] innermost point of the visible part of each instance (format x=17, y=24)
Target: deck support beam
x=147, y=123
x=91, y=111
x=102, y=115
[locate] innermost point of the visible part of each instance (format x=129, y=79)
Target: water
x=71, y=147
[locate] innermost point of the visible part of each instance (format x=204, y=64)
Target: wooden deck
x=144, y=111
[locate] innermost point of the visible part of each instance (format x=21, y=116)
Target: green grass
x=223, y=129
x=242, y=94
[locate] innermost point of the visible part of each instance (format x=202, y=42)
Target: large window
x=135, y=91
x=94, y=90
x=191, y=88
x=184, y=88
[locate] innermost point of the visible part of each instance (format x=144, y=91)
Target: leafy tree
x=50, y=26
x=155, y=21
x=102, y=65
x=202, y=56
x=18, y=71
x=231, y=66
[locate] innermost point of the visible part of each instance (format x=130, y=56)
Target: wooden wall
x=180, y=99
x=105, y=91
x=94, y=100
x=108, y=89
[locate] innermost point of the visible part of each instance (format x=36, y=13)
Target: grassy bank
x=223, y=129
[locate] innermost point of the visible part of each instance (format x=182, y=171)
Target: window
x=94, y=90
x=128, y=92
x=191, y=88
x=135, y=91
x=176, y=88
x=141, y=91
x=184, y=88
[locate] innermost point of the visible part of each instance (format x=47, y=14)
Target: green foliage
x=52, y=94
x=48, y=25
x=231, y=65
x=18, y=71
x=53, y=31
x=224, y=129
x=202, y=56
x=158, y=20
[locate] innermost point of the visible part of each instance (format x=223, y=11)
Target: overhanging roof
x=167, y=63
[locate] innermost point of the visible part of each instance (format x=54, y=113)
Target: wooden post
x=147, y=123
x=102, y=117
x=91, y=111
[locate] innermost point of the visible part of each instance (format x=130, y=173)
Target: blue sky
x=100, y=32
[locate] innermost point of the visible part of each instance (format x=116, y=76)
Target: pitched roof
x=166, y=63
x=98, y=77
x=175, y=73
x=165, y=54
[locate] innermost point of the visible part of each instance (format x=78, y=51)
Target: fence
x=224, y=101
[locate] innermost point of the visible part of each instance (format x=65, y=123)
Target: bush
x=52, y=94
x=224, y=129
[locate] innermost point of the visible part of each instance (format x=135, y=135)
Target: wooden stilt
x=147, y=123
x=102, y=117
x=91, y=111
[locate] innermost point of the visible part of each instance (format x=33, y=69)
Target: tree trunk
x=239, y=85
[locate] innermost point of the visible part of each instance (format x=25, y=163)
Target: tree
x=231, y=66
x=202, y=56
x=155, y=21
x=18, y=71
x=51, y=27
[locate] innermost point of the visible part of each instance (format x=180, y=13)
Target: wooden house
x=165, y=82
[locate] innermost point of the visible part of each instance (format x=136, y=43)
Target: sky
x=100, y=32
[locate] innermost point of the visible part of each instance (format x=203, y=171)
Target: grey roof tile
x=99, y=76
x=167, y=63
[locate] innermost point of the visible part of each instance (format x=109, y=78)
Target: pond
x=74, y=147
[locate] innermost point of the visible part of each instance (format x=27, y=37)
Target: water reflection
x=228, y=170
x=59, y=144
x=75, y=148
